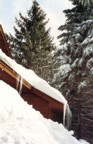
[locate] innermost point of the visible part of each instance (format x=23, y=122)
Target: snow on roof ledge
x=33, y=79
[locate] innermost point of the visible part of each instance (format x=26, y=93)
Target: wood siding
x=3, y=43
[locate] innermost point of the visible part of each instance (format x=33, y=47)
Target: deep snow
x=21, y=124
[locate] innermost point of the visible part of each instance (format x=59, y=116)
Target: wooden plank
x=53, y=102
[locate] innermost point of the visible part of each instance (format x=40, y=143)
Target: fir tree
x=73, y=72
x=83, y=2
x=32, y=44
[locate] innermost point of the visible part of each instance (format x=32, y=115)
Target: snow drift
x=21, y=124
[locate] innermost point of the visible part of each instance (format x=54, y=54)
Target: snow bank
x=21, y=124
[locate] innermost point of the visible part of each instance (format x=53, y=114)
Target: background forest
x=68, y=67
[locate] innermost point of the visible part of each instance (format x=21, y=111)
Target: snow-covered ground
x=21, y=124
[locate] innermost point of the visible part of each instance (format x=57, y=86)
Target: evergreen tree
x=83, y=2
x=32, y=44
x=73, y=69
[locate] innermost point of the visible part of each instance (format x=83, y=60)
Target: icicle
x=64, y=114
x=67, y=115
x=17, y=81
x=20, y=86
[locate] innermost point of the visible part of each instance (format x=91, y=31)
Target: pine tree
x=32, y=44
x=73, y=72
x=83, y=2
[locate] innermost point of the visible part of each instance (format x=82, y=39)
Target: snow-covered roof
x=33, y=79
x=21, y=124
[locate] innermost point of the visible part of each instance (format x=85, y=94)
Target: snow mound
x=21, y=124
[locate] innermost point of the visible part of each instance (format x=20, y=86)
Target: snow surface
x=33, y=79
x=21, y=124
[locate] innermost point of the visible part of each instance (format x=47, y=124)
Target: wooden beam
x=3, y=43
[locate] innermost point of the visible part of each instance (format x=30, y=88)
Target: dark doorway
x=57, y=116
